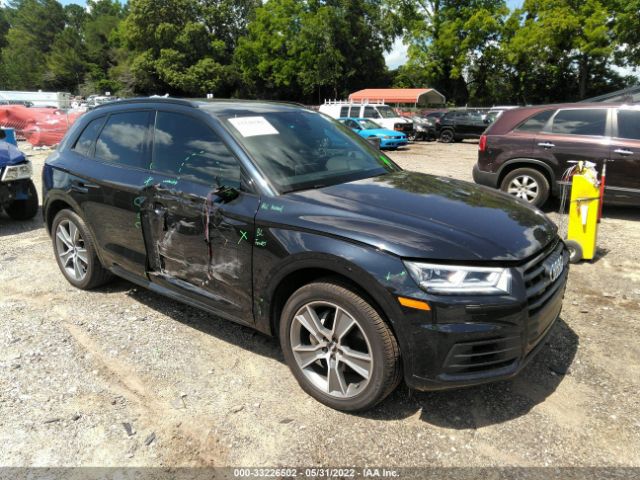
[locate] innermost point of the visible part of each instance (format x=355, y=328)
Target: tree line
x=476, y=52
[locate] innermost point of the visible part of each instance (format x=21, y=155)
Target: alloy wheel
x=524, y=187
x=331, y=349
x=71, y=250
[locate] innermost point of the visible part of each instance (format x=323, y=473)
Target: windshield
x=386, y=112
x=300, y=150
x=368, y=124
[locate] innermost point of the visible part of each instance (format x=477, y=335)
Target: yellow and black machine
x=585, y=207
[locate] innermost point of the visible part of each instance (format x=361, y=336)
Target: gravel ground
x=123, y=377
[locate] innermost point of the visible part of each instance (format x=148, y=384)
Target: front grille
x=483, y=355
x=541, y=290
x=537, y=281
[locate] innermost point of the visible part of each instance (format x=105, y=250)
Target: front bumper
x=481, y=177
x=392, y=143
x=469, y=341
x=14, y=190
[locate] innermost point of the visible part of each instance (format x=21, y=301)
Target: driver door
x=197, y=219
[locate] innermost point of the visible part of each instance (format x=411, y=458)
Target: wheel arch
x=304, y=271
x=532, y=163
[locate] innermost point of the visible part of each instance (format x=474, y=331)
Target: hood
x=380, y=132
x=421, y=216
x=10, y=155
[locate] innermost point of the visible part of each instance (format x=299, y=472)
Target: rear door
x=572, y=135
x=199, y=216
x=623, y=173
x=113, y=185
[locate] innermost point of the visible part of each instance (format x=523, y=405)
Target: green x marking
x=243, y=236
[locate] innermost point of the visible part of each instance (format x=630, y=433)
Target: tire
x=575, y=251
x=527, y=184
x=447, y=136
x=82, y=268
x=24, y=209
x=367, y=336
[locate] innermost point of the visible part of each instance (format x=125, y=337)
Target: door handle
x=546, y=145
x=81, y=187
x=623, y=151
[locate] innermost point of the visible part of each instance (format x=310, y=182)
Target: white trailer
x=38, y=99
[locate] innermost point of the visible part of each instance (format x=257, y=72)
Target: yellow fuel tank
x=583, y=213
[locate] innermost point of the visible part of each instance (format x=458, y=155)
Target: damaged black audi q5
x=277, y=217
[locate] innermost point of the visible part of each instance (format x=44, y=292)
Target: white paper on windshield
x=253, y=126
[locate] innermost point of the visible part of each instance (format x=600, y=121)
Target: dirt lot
x=123, y=377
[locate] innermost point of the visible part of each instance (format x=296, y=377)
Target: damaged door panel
x=198, y=222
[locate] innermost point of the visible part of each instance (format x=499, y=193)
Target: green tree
x=66, y=62
x=304, y=50
x=560, y=49
x=445, y=38
x=34, y=25
x=183, y=46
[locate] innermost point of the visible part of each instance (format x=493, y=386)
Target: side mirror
x=227, y=194
x=3, y=135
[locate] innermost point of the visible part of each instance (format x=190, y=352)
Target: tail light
x=482, y=146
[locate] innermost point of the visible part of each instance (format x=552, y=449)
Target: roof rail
x=354, y=102
x=177, y=101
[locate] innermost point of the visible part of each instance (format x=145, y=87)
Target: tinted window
x=535, y=123
x=344, y=111
x=370, y=112
x=298, y=149
x=580, y=122
x=186, y=147
x=629, y=124
x=122, y=139
x=88, y=136
x=352, y=124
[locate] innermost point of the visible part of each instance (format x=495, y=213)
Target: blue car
x=367, y=128
x=18, y=196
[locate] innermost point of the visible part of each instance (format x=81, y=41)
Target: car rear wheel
x=75, y=252
x=338, y=347
x=527, y=184
x=447, y=136
x=24, y=209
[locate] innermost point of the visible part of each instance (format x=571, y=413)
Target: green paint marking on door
x=243, y=236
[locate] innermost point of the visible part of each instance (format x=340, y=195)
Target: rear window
x=344, y=111
x=123, y=139
x=580, y=122
x=88, y=136
x=535, y=123
x=629, y=124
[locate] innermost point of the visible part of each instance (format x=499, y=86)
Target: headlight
x=388, y=136
x=450, y=279
x=17, y=172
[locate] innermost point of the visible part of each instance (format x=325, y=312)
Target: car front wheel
x=338, y=347
x=527, y=184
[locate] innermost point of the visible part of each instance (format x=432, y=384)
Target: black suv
x=280, y=218
x=456, y=126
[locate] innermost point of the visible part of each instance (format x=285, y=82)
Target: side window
x=187, y=148
x=344, y=111
x=580, y=122
x=535, y=123
x=353, y=124
x=629, y=124
x=370, y=112
x=88, y=136
x=123, y=138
